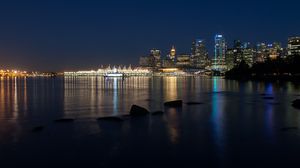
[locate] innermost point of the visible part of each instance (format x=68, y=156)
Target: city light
x=117, y=72
x=20, y=73
x=13, y=73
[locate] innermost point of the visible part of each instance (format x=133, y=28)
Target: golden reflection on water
x=173, y=125
x=15, y=103
x=13, y=97
x=170, y=85
x=2, y=96
x=25, y=94
x=103, y=96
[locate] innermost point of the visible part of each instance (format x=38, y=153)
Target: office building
x=294, y=46
x=219, y=63
x=199, y=57
x=183, y=61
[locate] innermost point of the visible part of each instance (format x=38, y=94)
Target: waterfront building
x=156, y=55
x=193, y=49
x=172, y=54
x=146, y=61
x=183, y=61
x=261, y=53
x=168, y=63
x=230, y=58
x=153, y=60
x=247, y=54
x=238, y=54
x=294, y=46
x=126, y=71
x=199, y=57
x=219, y=63
x=275, y=51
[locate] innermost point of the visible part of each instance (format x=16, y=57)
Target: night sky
x=62, y=35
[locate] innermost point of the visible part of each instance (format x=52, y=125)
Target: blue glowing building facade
x=218, y=62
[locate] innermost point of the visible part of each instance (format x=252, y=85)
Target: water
x=235, y=127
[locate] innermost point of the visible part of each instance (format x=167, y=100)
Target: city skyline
x=62, y=35
x=225, y=55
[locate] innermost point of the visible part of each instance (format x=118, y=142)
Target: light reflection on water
x=234, y=115
x=92, y=96
x=269, y=113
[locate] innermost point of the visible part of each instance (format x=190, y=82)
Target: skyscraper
x=220, y=52
x=275, y=51
x=230, y=58
x=183, y=61
x=153, y=60
x=294, y=46
x=247, y=53
x=156, y=54
x=199, y=54
x=237, y=49
x=261, y=52
x=172, y=54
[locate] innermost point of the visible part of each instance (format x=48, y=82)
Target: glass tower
x=220, y=52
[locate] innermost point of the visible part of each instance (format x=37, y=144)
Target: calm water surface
x=234, y=127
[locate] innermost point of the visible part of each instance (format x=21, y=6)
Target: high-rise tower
x=199, y=54
x=294, y=46
x=220, y=52
x=172, y=53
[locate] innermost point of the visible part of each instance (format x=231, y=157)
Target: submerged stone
x=138, y=111
x=114, y=118
x=274, y=103
x=264, y=94
x=65, y=120
x=157, y=113
x=289, y=128
x=194, y=103
x=268, y=98
x=175, y=103
x=296, y=103
x=38, y=129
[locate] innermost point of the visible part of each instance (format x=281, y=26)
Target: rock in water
x=138, y=111
x=157, y=113
x=194, y=103
x=176, y=103
x=64, y=120
x=268, y=98
x=38, y=129
x=274, y=103
x=289, y=128
x=114, y=119
x=296, y=103
x=264, y=94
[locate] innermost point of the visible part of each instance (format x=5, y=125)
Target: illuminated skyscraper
x=237, y=49
x=153, y=60
x=183, y=61
x=261, y=52
x=240, y=52
x=156, y=54
x=247, y=53
x=294, y=46
x=230, y=58
x=275, y=51
x=199, y=54
x=220, y=52
x=172, y=54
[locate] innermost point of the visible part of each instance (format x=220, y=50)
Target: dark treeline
x=277, y=69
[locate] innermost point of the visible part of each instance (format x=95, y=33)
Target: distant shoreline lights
x=126, y=71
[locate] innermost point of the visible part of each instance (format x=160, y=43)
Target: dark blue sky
x=71, y=35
